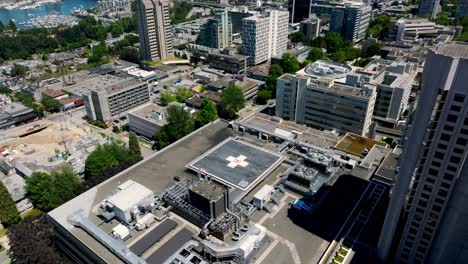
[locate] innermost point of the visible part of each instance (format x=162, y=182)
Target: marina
x=43, y=13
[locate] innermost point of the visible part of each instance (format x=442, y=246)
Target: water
x=64, y=8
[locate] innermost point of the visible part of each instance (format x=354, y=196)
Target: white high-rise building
x=264, y=36
x=430, y=199
x=154, y=29
x=324, y=104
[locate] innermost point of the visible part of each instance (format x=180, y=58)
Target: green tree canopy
x=32, y=241
x=106, y=161
x=379, y=27
x=19, y=70
x=315, y=54
x=275, y=70
x=130, y=54
x=8, y=213
x=207, y=113
x=232, y=100
x=134, y=146
x=5, y=90
x=297, y=37
x=161, y=139
x=183, y=94
x=2, y=27
x=167, y=97
x=289, y=63
x=50, y=104
x=373, y=49
x=334, y=42
x=263, y=96
x=179, y=123
x=48, y=191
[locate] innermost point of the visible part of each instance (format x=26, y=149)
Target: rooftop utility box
x=208, y=197
x=145, y=221
x=263, y=196
x=120, y=232
x=128, y=200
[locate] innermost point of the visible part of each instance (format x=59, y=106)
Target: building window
x=439, y=155
x=455, y=108
x=448, y=176
x=433, y=172
x=448, y=128
x=462, y=141
x=459, y=98
x=445, y=137
x=452, y=118
x=454, y=159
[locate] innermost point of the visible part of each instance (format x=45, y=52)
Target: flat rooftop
x=457, y=50
x=208, y=190
x=236, y=163
x=107, y=83
x=150, y=112
x=357, y=145
x=155, y=173
x=328, y=69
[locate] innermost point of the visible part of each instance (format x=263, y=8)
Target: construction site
x=252, y=191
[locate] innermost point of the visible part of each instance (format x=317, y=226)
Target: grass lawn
x=3, y=231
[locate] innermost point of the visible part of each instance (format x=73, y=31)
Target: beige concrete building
x=154, y=29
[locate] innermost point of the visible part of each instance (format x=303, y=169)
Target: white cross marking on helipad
x=239, y=161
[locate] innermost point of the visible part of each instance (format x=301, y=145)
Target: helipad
x=236, y=163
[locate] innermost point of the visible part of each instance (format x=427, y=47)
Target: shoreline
x=27, y=4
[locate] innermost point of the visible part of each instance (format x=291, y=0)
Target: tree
x=297, y=37
x=442, y=19
x=5, y=90
x=373, y=49
x=8, y=213
x=48, y=191
x=289, y=63
x=117, y=29
x=339, y=56
x=167, y=97
x=134, y=147
x=116, y=129
x=334, y=42
x=50, y=104
x=106, y=161
x=232, y=100
x=161, y=139
x=32, y=241
x=19, y=70
x=11, y=25
x=207, y=113
x=2, y=27
x=315, y=54
x=379, y=27
x=183, y=94
x=275, y=70
x=179, y=123
x=130, y=54
x=263, y=96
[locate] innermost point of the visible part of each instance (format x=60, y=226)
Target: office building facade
x=310, y=27
x=323, y=104
x=236, y=17
x=429, y=197
x=429, y=8
x=154, y=29
x=351, y=21
x=111, y=97
x=217, y=32
x=298, y=10
x=264, y=36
